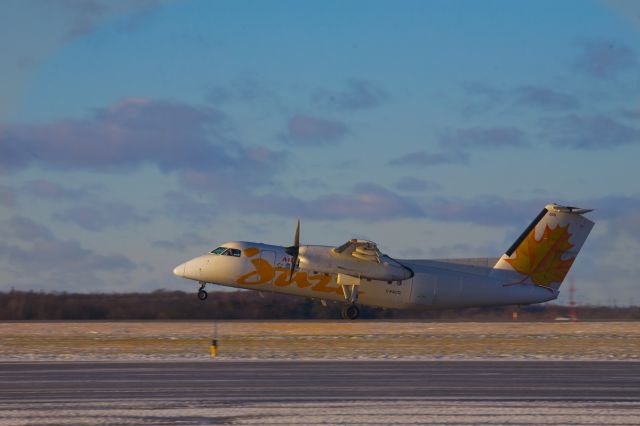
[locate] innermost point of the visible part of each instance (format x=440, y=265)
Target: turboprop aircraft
x=530, y=271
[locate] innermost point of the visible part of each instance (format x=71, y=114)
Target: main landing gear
x=350, y=311
x=202, y=294
x=350, y=290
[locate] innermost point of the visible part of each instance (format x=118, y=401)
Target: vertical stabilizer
x=545, y=251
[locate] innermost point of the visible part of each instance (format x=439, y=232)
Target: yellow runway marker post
x=214, y=341
x=214, y=348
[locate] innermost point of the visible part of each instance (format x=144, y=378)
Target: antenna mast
x=572, y=301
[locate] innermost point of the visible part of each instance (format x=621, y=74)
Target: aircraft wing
x=356, y=259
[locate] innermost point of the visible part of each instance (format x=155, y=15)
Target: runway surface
x=314, y=392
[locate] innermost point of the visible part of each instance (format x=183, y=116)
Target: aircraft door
x=424, y=289
x=269, y=256
x=406, y=293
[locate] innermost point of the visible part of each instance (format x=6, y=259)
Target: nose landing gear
x=202, y=294
x=350, y=312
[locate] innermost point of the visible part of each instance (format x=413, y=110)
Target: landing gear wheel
x=350, y=312
x=202, y=295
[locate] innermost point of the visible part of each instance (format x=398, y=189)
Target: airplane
x=357, y=273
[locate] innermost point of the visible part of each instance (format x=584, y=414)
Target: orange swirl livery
x=356, y=273
x=264, y=273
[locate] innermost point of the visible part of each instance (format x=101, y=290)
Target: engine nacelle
x=325, y=260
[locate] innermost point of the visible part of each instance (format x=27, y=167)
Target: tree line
x=249, y=305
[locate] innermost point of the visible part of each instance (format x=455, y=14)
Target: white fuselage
x=434, y=284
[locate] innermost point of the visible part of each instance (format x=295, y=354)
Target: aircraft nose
x=179, y=270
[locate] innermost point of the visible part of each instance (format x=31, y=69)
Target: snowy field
x=190, y=340
x=382, y=412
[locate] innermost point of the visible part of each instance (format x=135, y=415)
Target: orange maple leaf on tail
x=541, y=260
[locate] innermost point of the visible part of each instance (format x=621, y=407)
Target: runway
x=367, y=392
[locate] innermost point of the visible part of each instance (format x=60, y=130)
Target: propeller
x=294, y=250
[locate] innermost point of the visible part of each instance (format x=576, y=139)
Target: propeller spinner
x=294, y=250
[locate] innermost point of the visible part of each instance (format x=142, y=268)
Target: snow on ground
x=373, y=412
x=190, y=340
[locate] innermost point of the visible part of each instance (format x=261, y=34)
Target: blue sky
x=137, y=134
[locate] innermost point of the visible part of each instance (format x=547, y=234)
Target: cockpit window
x=232, y=252
x=226, y=251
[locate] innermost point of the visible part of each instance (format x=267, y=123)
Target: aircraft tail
x=545, y=251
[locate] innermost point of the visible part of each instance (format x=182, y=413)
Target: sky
x=135, y=135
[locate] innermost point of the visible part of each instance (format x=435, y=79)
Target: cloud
x=544, y=98
x=413, y=184
x=8, y=197
x=612, y=206
x=366, y=201
x=498, y=211
x=628, y=9
x=43, y=188
x=483, y=138
x=241, y=90
x=611, y=252
x=482, y=90
x=454, y=142
x=84, y=16
x=359, y=94
x=100, y=216
x=189, y=241
x=423, y=158
x=252, y=166
x=25, y=229
x=183, y=207
x=369, y=202
x=49, y=257
x=604, y=59
x=128, y=133
x=588, y=132
x=133, y=132
x=31, y=254
x=462, y=250
x=92, y=214
x=311, y=184
x=485, y=97
x=628, y=224
x=305, y=130
x=140, y=10
x=485, y=210
x=372, y=202
x=630, y=114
